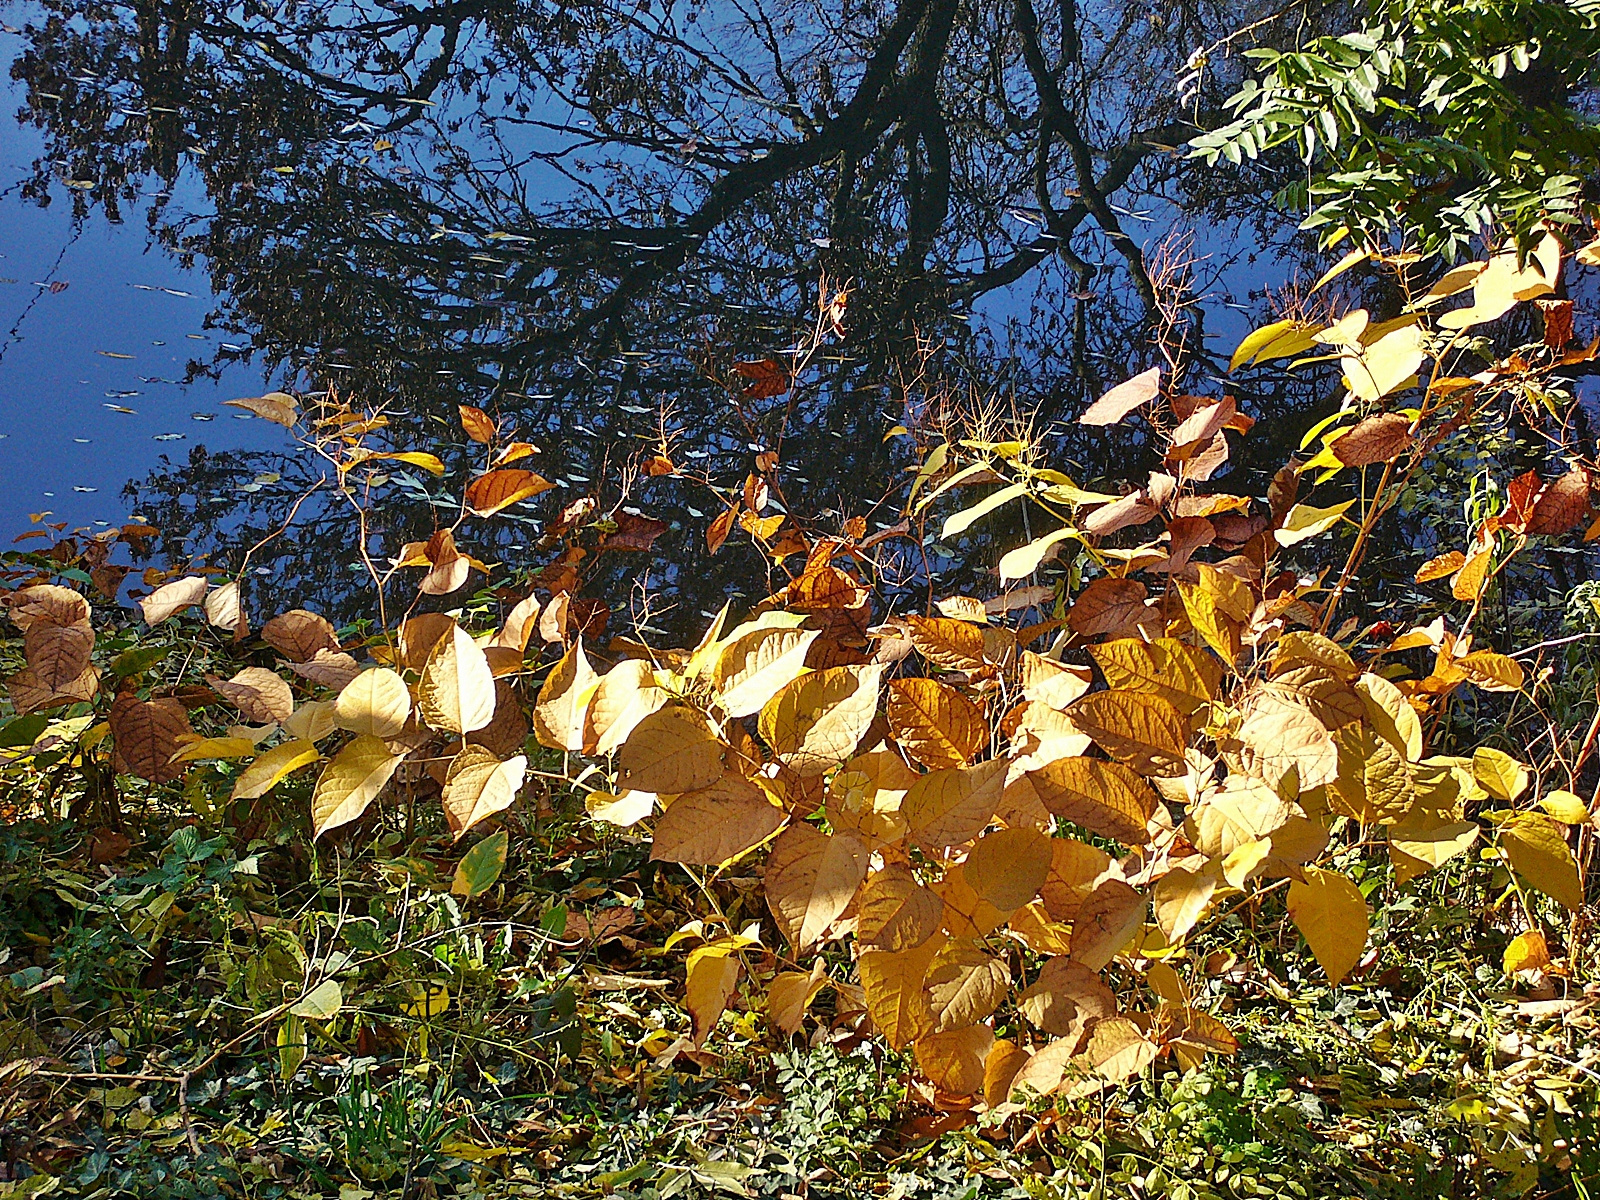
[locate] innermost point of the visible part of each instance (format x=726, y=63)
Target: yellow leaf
x=351, y=782
x=896, y=1000
x=1304, y=522
x=814, y=722
x=456, y=693
x=753, y=669
x=225, y=748
x=1526, y=952
x=1391, y=714
x=948, y=807
x=669, y=752
x=1185, y=677
x=1007, y=867
x=934, y=723
x=1538, y=851
x=1416, y=851
x=1565, y=807
x=1106, y=923
x=1281, y=339
x=561, y=713
x=1491, y=671
x=1025, y=560
x=376, y=702
x=1353, y=259
x=810, y=879
x=712, y=974
x=1332, y=915
x=261, y=776
x=958, y=522
x=1052, y=683
x=1118, y=1050
x=223, y=609
x=625, y=810
x=1181, y=899
x=488, y=494
x=478, y=785
x=895, y=911
x=1376, y=370
x=1502, y=776
x=417, y=458
x=712, y=825
x=1138, y=728
x=625, y=695
x=1066, y=998
x=965, y=984
x=999, y=1069
x=791, y=992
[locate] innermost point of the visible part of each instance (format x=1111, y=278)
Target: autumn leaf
x=172, y=598
x=1332, y=915
x=456, y=693
x=1102, y=797
x=934, y=723
x=952, y=806
x=714, y=824
x=625, y=695
x=298, y=634
x=146, y=734
x=1106, y=922
x=1007, y=867
x=375, y=702
x=1123, y=399
x=478, y=785
x=895, y=911
x=810, y=879
x=271, y=768
x=896, y=1000
x=1066, y=999
x=259, y=694
x=754, y=668
x=669, y=752
x=1537, y=849
x=791, y=992
x=814, y=722
x=350, y=783
x=1138, y=728
x=1108, y=606
x=561, y=712
x=479, y=426
x=488, y=494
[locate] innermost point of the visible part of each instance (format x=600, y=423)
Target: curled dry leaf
x=224, y=610
x=259, y=694
x=810, y=879
x=488, y=494
x=713, y=824
x=478, y=785
x=46, y=603
x=350, y=783
x=456, y=693
x=278, y=407
x=298, y=634
x=934, y=723
x=172, y=598
x=375, y=702
x=146, y=734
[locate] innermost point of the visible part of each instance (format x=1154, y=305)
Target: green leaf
x=291, y=1046
x=138, y=660
x=482, y=865
x=23, y=731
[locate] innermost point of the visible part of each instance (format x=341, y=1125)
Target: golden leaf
x=755, y=667
x=965, y=984
x=1416, y=851
x=713, y=824
x=1052, y=683
x=1138, y=728
x=1185, y=677
x=172, y=598
x=560, y=715
x=625, y=695
x=267, y=771
x=1065, y=999
x=1537, y=849
x=896, y=1000
x=934, y=723
x=57, y=654
x=946, y=808
x=815, y=722
x=350, y=783
x=1525, y=952
x=895, y=911
x=1181, y=898
x=456, y=693
x=478, y=785
x=710, y=977
x=1502, y=776
x=944, y=642
x=999, y=1069
x=954, y=1059
x=1007, y=867
x=1332, y=915
x=810, y=879
x=669, y=752
x=1106, y=922
x=1119, y=1050
x=1104, y=798
x=791, y=992
x=865, y=796
x=375, y=702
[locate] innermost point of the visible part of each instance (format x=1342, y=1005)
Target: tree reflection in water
x=579, y=216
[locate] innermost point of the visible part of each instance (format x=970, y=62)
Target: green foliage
x=1438, y=121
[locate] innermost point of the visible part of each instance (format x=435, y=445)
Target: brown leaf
x=448, y=568
x=257, y=693
x=954, y=645
x=298, y=634
x=1204, y=423
x=57, y=654
x=1557, y=322
x=488, y=494
x=1562, y=505
x=1108, y=606
x=896, y=912
x=669, y=752
x=277, y=407
x=768, y=379
x=1138, y=728
x=146, y=734
x=634, y=532
x=717, y=532
x=714, y=824
x=965, y=985
x=477, y=423
x=1133, y=509
x=1123, y=399
x=1376, y=439
x=331, y=668
x=48, y=603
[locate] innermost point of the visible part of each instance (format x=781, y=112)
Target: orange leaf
x=488, y=494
